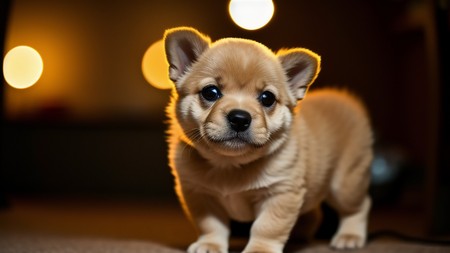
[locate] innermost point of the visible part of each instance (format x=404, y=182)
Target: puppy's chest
x=239, y=194
x=238, y=206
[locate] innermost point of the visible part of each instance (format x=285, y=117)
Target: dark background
x=93, y=127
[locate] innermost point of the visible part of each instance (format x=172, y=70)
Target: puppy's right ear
x=183, y=46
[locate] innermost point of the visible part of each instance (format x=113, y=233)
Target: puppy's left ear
x=183, y=46
x=301, y=67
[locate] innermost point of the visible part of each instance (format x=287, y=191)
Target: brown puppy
x=241, y=146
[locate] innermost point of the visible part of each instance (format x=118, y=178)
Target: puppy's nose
x=239, y=120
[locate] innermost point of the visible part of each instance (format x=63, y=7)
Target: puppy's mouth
x=235, y=140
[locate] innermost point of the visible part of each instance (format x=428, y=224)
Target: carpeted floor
x=52, y=244
x=92, y=226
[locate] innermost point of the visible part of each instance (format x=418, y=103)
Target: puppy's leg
x=275, y=219
x=210, y=220
x=352, y=229
x=349, y=198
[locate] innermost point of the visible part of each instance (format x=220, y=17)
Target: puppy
x=246, y=144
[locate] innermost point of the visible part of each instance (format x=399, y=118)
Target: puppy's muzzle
x=239, y=120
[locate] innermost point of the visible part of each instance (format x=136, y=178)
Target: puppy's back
x=335, y=134
x=333, y=111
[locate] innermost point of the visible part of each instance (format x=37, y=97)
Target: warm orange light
x=22, y=67
x=155, y=67
x=251, y=14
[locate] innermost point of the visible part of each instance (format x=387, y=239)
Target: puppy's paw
x=261, y=251
x=206, y=247
x=263, y=246
x=347, y=241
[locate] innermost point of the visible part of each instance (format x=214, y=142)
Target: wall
x=92, y=81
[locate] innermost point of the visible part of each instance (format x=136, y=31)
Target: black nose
x=239, y=120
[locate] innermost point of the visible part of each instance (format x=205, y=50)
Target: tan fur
x=295, y=155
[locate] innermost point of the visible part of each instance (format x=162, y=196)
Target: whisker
x=194, y=135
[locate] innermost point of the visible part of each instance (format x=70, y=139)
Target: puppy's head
x=235, y=97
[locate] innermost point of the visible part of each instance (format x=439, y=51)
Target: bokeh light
x=22, y=67
x=155, y=67
x=251, y=14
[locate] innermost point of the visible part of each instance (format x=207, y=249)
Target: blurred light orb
x=22, y=67
x=155, y=67
x=251, y=14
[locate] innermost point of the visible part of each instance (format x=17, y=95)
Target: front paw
x=263, y=246
x=206, y=247
x=261, y=251
x=347, y=241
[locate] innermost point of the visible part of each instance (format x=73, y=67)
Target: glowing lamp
x=155, y=67
x=22, y=67
x=251, y=14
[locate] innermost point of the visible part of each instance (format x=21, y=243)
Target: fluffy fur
x=288, y=159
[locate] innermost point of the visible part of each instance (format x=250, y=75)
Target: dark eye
x=267, y=98
x=211, y=93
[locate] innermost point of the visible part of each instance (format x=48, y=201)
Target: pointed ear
x=183, y=46
x=301, y=67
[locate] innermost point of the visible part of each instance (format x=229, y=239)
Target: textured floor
x=58, y=244
x=78, y=225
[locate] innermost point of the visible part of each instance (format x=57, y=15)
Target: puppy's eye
x=211, y=93
x=267, y=98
